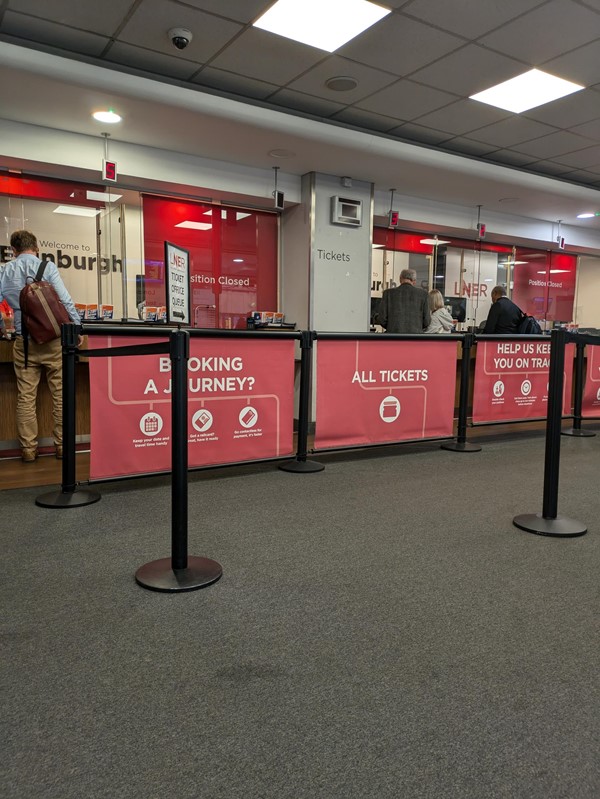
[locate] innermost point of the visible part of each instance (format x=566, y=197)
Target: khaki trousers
x=46, y=357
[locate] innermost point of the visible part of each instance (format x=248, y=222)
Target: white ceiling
x=408, y=124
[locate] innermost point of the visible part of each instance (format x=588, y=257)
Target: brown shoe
x=29, y=455
x=59, y=451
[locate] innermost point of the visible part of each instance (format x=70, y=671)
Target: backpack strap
x=40, y=272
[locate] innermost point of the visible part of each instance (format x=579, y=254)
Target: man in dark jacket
x=504, y=316
x=404, y=309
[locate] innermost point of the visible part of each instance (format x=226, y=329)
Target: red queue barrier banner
x=240, y=405
x=511, y=380
x=375, y=392
x=590, y=406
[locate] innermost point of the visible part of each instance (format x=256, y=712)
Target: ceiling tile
x=405, y=100
x=462, y=117
x=550, y=168
x=55, y=35
x=469, y=70
x=101, y=18
x=420, y=134
x=546, y=32
x=511, y=158
x=467, y=18
x=234, y=84
x=511, y=131
x=280, y=59
x=369, y=80
x=364, y=119
x=582, y=176
x=399, y=45
x=567, y=111
x=553, y=145
x=581, y=65
x=591, y=129
x=238, y=10
x=305, y=102
x=468, y=146
x=583, y=158
x=150, y=61
x=149, y=24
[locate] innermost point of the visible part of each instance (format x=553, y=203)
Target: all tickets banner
x=372, y=392
x=511, y=380
x=590, y=406
x=240, y=405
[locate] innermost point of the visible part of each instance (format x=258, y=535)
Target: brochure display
x=511, y=380
x=374, y=392
x=177, y=272
x=591, y=395
x=240, y=405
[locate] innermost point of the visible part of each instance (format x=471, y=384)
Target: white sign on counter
x=177, y=267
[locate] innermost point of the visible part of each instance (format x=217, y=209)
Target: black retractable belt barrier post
x=179, y=572
x=577, y=430
x=461, y=444
x=301, y=464
x=70, y=496
x=548, y=522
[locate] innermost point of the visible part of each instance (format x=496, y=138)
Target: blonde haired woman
x=441, y=319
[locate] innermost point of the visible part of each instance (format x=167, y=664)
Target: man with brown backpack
x=40, y=347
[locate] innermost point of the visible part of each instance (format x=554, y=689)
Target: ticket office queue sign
x=177, y=268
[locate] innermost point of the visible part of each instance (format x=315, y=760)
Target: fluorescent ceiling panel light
x=526, y=91
x=107, y=116
x=377, y=246
x=511, y=263
x=238, y=214
x=195, y=225
x=557, y=271
x=587, y=215
x=433, y=242
x=326, y=24
x=238, y=260
x=106, y=198
x=76, y=210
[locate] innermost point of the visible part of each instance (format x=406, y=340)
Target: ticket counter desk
x=9, y=444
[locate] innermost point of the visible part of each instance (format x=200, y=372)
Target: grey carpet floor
x=381, y=630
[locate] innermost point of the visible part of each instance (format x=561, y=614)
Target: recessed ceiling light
x=238, y=260
x=433, y=242
x=527, y=91
x=106, y=198
x=76, y=210
x=107, y=116
x=511, y=263
x=327, y=24
x=342, y=83
x=281, y=153
x=588, y=215
x=195, y=225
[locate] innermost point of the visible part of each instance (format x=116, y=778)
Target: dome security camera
x=180, y=37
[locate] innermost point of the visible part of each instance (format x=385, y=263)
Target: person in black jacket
x=504, y=316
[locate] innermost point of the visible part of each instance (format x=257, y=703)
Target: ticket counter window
x=233, y=259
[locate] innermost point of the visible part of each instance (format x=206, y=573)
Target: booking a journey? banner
x=590, y=406
x=511, y=380
x=373, y=392
x=240, y=405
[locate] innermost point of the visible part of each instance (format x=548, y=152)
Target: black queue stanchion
x=461, y=444
x=301, y=464
x=548, y=522
x=577, y=430
x=70, y=494
x=180, y=572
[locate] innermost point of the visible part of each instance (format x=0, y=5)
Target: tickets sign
x=590, y=406
x=511, y=380
x=372, y=392
x=240, y=405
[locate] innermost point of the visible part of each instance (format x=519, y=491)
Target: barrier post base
x=577, y=431
x=68, y=499
x=159, y=575
x=460, y=446
x=304, y=467
x=561, y=526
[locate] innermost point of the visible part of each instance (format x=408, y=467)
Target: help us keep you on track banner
x=511, y=380
x=240, y=405
x=373, y=392
x=590, y=407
